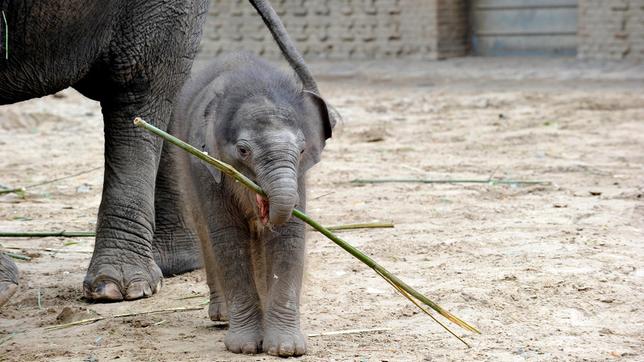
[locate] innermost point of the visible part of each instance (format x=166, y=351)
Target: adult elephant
x=132, y=57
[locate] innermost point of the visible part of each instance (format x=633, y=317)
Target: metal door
x=524, y=27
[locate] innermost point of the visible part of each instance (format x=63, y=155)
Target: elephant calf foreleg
x=233, y=267
x=285, y=258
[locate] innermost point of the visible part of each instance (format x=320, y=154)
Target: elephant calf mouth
x=262, y=207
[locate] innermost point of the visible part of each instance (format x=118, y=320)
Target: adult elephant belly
x=132, y=56
x=51, y=45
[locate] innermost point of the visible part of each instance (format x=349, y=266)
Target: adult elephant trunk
x=290, y=52
x=279, y=181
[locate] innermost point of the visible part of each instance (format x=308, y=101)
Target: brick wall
x=453, y=27
x=336, y=29
x=417, y=29
x=611, y=29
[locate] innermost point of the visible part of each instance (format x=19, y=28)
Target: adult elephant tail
x=290, y=52
x=295, y=59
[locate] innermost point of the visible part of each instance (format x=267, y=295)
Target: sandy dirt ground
x=547, y=272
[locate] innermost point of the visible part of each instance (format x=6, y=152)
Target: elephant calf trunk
x=282, y=191
x=281, y=206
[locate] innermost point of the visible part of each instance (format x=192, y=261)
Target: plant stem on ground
x=452, y=181
x=43, y=234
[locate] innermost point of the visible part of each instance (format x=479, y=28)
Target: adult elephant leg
x=122, y=266
x=8, y=278
x=175, y=244
x=148, y=60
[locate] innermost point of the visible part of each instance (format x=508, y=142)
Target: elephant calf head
x=260, y=120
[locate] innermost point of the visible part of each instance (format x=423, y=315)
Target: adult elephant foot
x=111, y=280
x=8, y=278
x=123, y=266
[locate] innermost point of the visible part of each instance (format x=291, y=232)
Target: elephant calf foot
x=284, y=342
x=246, y=342
x=112, y=279
x=245, y=334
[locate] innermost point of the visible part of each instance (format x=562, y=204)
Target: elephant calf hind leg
x=176, y=251
x=175, y=245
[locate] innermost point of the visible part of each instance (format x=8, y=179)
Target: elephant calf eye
x=243, y=151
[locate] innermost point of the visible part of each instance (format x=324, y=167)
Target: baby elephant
x=247, y=113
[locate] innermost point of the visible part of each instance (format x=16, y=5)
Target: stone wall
x=329, y=29
x=611, y=29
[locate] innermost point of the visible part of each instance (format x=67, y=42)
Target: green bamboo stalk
x=452, y=181
x=398, y=284
x=44, y=234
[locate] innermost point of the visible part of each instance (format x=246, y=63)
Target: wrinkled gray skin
x=258, y=119
x=131, y=56
x=8, y=278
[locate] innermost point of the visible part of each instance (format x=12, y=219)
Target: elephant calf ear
x=215, y=173
x=328, y=121
x=208, y=141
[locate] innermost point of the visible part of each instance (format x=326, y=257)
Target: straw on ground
x=47, y=182
x=124, y=315
x=350, y=331
x=489, y=181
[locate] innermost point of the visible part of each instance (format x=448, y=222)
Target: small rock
x=69, y=315
x=84, y=188
x=32, y=254
x=595, y=193
x=605, y=331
